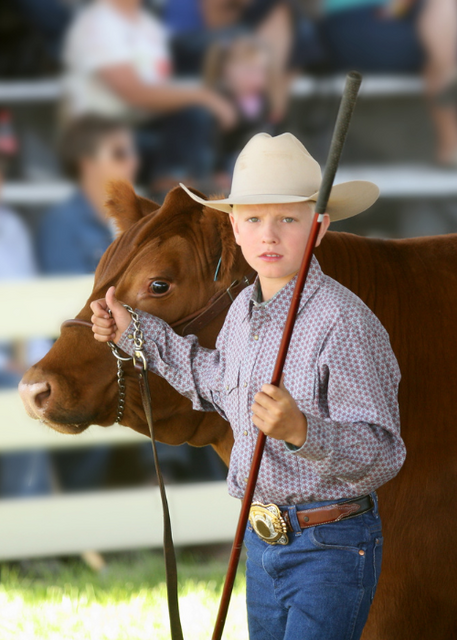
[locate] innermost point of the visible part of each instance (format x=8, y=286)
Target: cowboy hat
x=274, y=170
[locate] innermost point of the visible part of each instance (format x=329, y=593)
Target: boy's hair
x=82, y=138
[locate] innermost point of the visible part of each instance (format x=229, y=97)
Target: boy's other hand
x=277, y=414
x=104, y=326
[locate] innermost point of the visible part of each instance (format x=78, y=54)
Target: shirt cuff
x=126, y=340
x=318, y=441
x=148, y=327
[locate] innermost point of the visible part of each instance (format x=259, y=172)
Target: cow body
x=409, y=284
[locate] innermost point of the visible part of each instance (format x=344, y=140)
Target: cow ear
x=225, y=241
x=217, y=229
x=125, y=207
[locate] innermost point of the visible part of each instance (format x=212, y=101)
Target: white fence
x=102, y=520
x=51, y=89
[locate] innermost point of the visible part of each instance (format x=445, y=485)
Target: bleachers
x=400, y=179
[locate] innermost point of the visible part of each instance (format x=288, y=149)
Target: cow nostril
x=35, y=394
x=41, y=397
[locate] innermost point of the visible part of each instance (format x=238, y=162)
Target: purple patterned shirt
x=340, y=369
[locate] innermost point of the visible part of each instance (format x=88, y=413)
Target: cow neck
x=198, y=320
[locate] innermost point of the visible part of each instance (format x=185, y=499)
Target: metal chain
x=138, y=342
x=138, y=338
x=121, y=386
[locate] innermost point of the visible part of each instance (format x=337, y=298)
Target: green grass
x=68, y=601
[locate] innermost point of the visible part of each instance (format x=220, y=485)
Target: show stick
x=353, y=81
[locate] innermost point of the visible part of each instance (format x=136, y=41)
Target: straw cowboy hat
x=273, y=170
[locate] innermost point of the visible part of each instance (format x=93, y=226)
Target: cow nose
x=35, y=396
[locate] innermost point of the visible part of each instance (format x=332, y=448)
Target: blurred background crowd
x=163, y=91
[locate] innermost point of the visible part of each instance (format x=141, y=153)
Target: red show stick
x=353, y=81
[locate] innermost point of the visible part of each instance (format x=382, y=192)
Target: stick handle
x=343, y=119
x=345, y=111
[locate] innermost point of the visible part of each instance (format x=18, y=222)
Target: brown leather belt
x=330, y=512
x=272, y=524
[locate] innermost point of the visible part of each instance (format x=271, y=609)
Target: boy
x=333, y=424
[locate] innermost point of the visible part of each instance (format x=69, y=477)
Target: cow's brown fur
x=409, y=284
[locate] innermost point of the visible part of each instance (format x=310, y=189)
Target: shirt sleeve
x=194, y=371
x=354, y=429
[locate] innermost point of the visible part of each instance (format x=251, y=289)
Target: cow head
x=163, y=262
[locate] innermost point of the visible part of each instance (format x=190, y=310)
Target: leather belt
x=272, y=525
x=330, y=512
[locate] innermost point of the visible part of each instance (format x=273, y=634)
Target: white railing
x=102, y=520
x=51, y=89
x=394, y=181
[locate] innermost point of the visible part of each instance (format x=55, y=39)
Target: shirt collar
x=278, y=306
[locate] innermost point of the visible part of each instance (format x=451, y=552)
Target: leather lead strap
x=194, y=322
x=168, y=547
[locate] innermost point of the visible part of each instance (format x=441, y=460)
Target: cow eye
x=159, y=287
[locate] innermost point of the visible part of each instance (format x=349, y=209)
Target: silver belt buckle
x=268, y=523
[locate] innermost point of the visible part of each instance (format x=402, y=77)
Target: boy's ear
x=323, y=230
x=234, y=224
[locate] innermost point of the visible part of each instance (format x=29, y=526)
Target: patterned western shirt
x=340, y=369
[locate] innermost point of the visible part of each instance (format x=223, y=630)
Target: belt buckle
x=268, y=523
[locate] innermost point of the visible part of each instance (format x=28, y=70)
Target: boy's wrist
x=298, y=436
x=125, y=340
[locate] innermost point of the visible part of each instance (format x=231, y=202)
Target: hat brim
x=346, y=199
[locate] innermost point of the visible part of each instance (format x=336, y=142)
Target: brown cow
x=409, y=284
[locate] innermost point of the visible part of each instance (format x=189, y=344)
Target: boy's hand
x=106, y=327
x=277, y=414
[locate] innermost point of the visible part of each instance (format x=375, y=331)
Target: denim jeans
x=320, y=585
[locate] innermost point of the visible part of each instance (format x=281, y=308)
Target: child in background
x=243, y=72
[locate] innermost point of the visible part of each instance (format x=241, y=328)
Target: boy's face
x=273, y=237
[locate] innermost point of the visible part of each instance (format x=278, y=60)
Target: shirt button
x=246, y=479
x=256, y=337
x=130, y=336
x=227, y=387
x=245, y=433
x=245, y=384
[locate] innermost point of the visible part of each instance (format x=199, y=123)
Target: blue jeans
x=320, y=585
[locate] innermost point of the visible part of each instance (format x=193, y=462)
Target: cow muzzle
x=42, y=401
x=35, y=398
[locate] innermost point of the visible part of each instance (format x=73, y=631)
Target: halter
x=193, y=322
